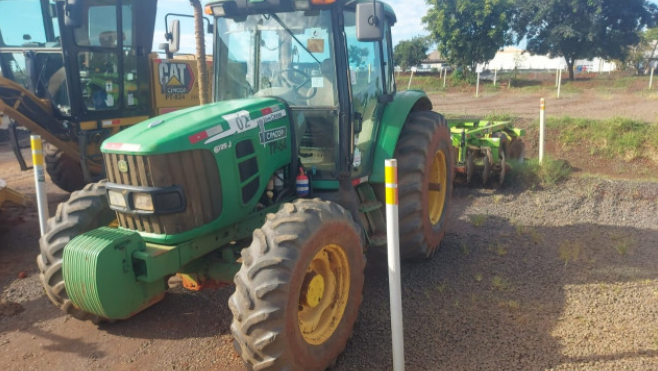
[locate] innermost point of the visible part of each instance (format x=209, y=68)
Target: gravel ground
x=527, y=279
x=559, y=278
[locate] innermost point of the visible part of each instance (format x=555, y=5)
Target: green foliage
x=468, y=32
x=356, y=55
x=428, y=83
x=550, y=173
x=477, y=220
x=613, y=138
x=582, y=29
x=641, y=54
x=409, y=53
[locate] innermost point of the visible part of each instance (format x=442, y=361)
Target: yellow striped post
x=39, y=180
x=394, y=280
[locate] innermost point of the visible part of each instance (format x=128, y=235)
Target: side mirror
x=73, y=13
x=173, y=37
x=210, y=28
x=370, y=21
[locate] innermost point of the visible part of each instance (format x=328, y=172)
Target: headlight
x=116, y=199
x=143, y=201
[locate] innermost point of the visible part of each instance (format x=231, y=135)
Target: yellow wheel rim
x=438, y=179
x=324, y=294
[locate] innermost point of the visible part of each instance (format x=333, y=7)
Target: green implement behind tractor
x=486, y=147
x=288, y=160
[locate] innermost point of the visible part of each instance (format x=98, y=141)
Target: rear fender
x=393, y=119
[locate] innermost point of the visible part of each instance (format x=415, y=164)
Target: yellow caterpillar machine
x=8, y=195
x=76, y=86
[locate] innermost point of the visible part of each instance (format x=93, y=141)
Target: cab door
x=107, y=56
x=370, y=72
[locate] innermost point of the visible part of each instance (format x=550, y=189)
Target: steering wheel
x=296, y=79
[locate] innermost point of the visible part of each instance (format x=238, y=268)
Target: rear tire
x=87, y=209
x=64, y=171
x=284, y=316
x=424, y=153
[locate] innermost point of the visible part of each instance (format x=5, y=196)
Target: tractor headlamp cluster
x=145, y=200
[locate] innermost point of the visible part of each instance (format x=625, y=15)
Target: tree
x=582, y=29
x=409, y=53
x=641, y=54
x=200, y=51
x=357, y=54
x=469, y=32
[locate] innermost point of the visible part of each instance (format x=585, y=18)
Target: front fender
x=393, y=119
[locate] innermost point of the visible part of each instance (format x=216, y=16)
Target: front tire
x=299, y=289
x=87, y=209
x=424, y=153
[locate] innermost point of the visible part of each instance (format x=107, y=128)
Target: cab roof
x=265, y=6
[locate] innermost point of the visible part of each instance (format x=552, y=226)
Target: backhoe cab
x=304, y=97
x=76, y=72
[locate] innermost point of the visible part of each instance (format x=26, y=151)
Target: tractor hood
x=209, y=126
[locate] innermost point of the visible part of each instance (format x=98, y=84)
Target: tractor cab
x=308, y=54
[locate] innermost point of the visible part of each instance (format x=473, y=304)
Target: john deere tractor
x=288, y=161
x=77, y=79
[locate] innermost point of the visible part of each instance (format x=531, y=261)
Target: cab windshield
x=287, y=55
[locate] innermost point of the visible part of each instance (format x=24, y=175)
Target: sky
x=409, y=14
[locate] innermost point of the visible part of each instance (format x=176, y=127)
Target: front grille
x=195, y=171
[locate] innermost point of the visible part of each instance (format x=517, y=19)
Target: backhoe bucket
x=10, y=196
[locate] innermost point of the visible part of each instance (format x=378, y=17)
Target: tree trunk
x=200, y=51
x=570, y=63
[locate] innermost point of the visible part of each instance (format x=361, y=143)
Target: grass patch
x=512, y=305
x=464, y=248
x=427, y=83
x=569, y=251
x=621, y=244
x=613, y=138
x=536, y=236
x=499, y=283
x=477, y=220
x=531, y=173
x=501, y=250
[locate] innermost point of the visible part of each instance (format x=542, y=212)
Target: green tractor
x=288, y=160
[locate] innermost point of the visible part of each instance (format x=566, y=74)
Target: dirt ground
x=559, y=278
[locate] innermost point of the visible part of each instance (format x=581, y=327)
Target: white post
x=411, y=77
x=557, y=72
x=477, y=87
x=542, y=108
x=394, y=280
x=445, y=74
x=651, y=79
x=39, y=181
x=559, y=84
x=495, y=76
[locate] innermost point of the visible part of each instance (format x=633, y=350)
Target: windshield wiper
x=276, y=18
